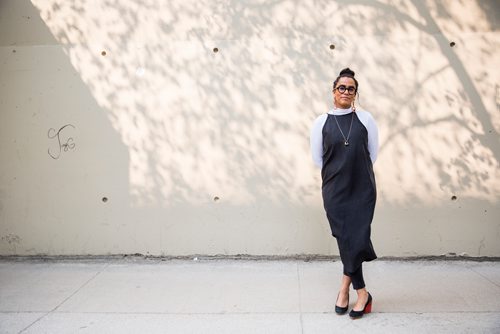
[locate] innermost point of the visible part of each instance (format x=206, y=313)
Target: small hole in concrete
x=104, y=199
x=452, y=44
x=216, y=50
x=14, y=51
x=103, y=53
x=216, y=198
x=453, y=198
x=332, y=46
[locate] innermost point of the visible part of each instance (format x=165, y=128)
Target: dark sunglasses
x=350, y=90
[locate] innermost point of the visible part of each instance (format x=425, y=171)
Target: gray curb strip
x=242, y=257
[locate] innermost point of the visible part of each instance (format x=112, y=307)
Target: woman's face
x=344, y=100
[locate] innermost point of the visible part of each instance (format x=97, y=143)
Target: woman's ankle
x=362, y=292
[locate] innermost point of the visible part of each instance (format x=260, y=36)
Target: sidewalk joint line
x=248, y=313
x=486, y=278
x=300, y=299
x=67, y=298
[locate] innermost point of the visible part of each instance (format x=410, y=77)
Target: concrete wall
x=123, y=131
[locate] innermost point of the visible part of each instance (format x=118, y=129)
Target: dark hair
x=348, y=73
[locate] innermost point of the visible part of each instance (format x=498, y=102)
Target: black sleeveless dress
x=348, y=188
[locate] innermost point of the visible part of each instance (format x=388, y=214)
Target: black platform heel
x=367, y=309
x=341, y=310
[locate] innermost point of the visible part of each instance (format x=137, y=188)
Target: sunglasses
x=350, y=89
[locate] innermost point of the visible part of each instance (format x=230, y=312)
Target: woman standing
x=344, y=144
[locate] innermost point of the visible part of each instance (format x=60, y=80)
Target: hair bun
x=346, y=72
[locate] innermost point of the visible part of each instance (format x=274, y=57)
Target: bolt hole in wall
x=453, y=198
x=103, y=53
x=452, y=44
x=332, y=46
x=104, y=199
x=215, y=50
x=216, y=198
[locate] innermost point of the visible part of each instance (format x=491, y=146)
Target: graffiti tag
x=63, y=145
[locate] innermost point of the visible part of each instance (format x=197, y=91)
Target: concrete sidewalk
x=243, y=296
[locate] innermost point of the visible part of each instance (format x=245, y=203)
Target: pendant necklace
x=346, y=140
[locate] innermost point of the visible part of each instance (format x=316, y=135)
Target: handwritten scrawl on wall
x=61, y=141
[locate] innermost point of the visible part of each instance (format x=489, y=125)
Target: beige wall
x=200, y=152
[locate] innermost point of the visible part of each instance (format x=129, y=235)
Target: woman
x=344, y=144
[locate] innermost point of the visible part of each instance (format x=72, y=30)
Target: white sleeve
x=369, y=122
x=316, y=140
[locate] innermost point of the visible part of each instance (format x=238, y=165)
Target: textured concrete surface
x=240, y=296
x=165, y=147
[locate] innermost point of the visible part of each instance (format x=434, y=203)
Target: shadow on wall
x=60, y=151
x=216, y=100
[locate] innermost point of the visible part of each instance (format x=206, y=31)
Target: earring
x=353, y=106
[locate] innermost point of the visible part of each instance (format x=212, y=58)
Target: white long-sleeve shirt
x=316, y=139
